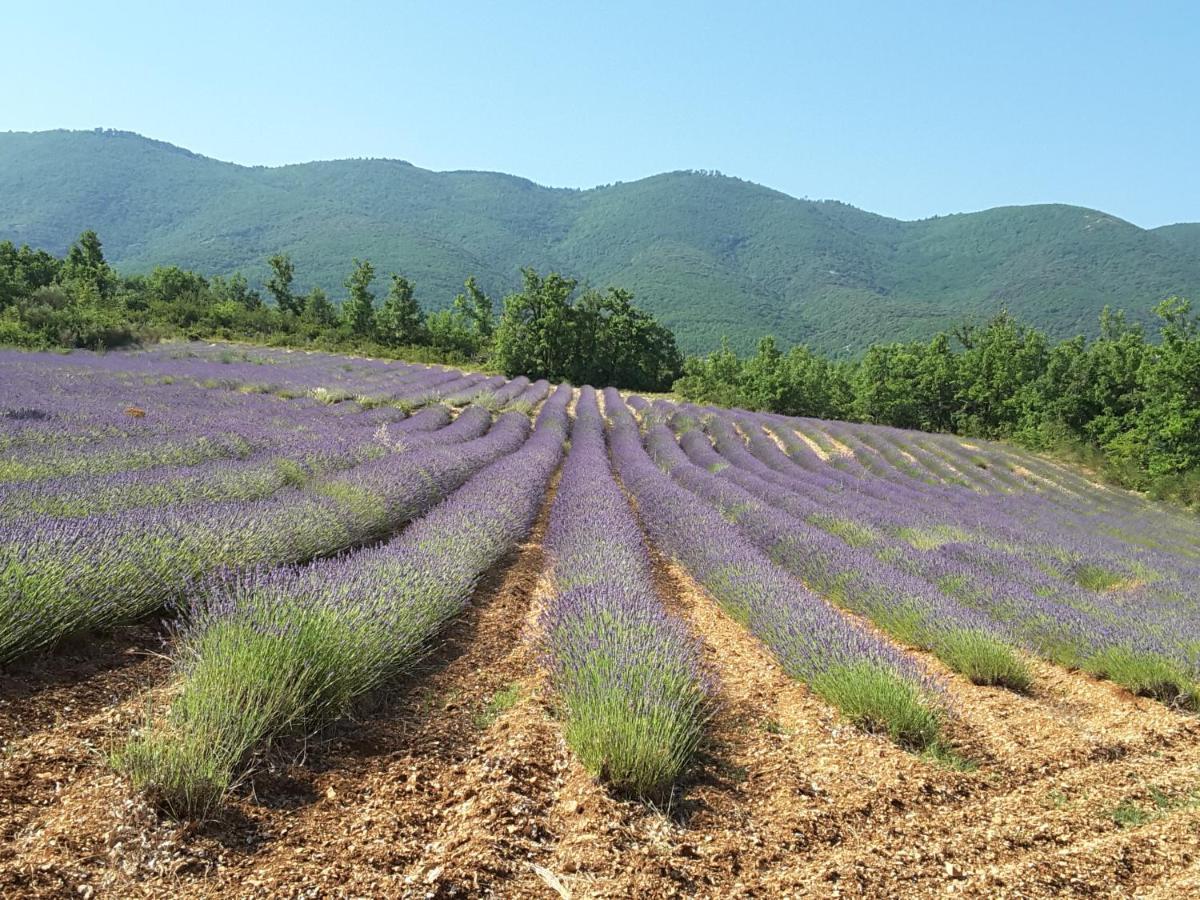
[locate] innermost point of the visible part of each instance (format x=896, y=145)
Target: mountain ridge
x=711, y=255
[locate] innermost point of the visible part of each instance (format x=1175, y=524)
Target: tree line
x=1127, y=402
x=548, y=329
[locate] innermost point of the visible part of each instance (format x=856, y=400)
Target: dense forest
x=1126, y=402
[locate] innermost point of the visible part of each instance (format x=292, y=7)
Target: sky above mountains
x=908, y=110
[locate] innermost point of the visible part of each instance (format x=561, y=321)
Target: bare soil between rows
x=457, y=783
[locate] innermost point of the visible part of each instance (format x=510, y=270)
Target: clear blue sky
x=907, y=109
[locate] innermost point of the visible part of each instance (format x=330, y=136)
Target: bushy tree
x=477, y=309
x=535, y=335
x=318, y=310
x=279, y=285
x=358, y=311
x=602, y=339
x=85, y=272
x=1164, y=439
x=400, y=319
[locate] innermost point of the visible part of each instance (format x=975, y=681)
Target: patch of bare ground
x=59, y=714
x=76, y=679
x=814, y=446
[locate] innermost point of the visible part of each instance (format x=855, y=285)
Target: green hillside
x=709, y=255
x=1184, y=234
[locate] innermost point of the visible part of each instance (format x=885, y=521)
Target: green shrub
x=983, y=659
x=1147, y=675
x=879, y=700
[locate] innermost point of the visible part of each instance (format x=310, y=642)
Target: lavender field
x=296, y=548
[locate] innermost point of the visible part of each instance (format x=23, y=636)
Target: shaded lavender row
x=60, y=576
x=810, y=638
x=628, y=673
x=899, y=602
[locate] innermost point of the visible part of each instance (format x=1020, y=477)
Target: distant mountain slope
x=710, y=255
x=1183, y=234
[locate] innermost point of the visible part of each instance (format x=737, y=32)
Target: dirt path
x=59, y=715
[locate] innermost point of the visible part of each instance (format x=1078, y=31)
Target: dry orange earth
x=440, y=791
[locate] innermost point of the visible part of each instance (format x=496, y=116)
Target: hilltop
x=709, y=255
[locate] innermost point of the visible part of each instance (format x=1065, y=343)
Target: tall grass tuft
x=983, y=658
x=1147, y=675
x=878, y=700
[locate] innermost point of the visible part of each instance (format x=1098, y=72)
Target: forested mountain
x=707, y=254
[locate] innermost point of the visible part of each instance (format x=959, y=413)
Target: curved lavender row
x=97, y=405
x=469, y=389
x=129, y=456
x=629, y=674
x=812, y=640
x=177, y=427
x=909, y=607
x=1018, y=522
x=1014, y=598
x=291, y=648
x=909, y=596
x=506, y=393
x=336, y=444
x=1046, y=548
x=256, y=477
x=58, y=577
x=533, y=394
x=47, y=404
x=1150, y=632
x=636, y=402
x=283, y=372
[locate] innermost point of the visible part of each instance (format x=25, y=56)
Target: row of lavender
x=60, y=576
x=281, y=649
x=91, y=421
x=86, y=551
x=964, y=571
x=1129, y=604
x=873, y=683
x=315, y=444
x=629, y=675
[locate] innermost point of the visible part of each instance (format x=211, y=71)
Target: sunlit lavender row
x=59, y=576
x=874, y=683
x=282, y=649
x=628, y=674
x=964, y=549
